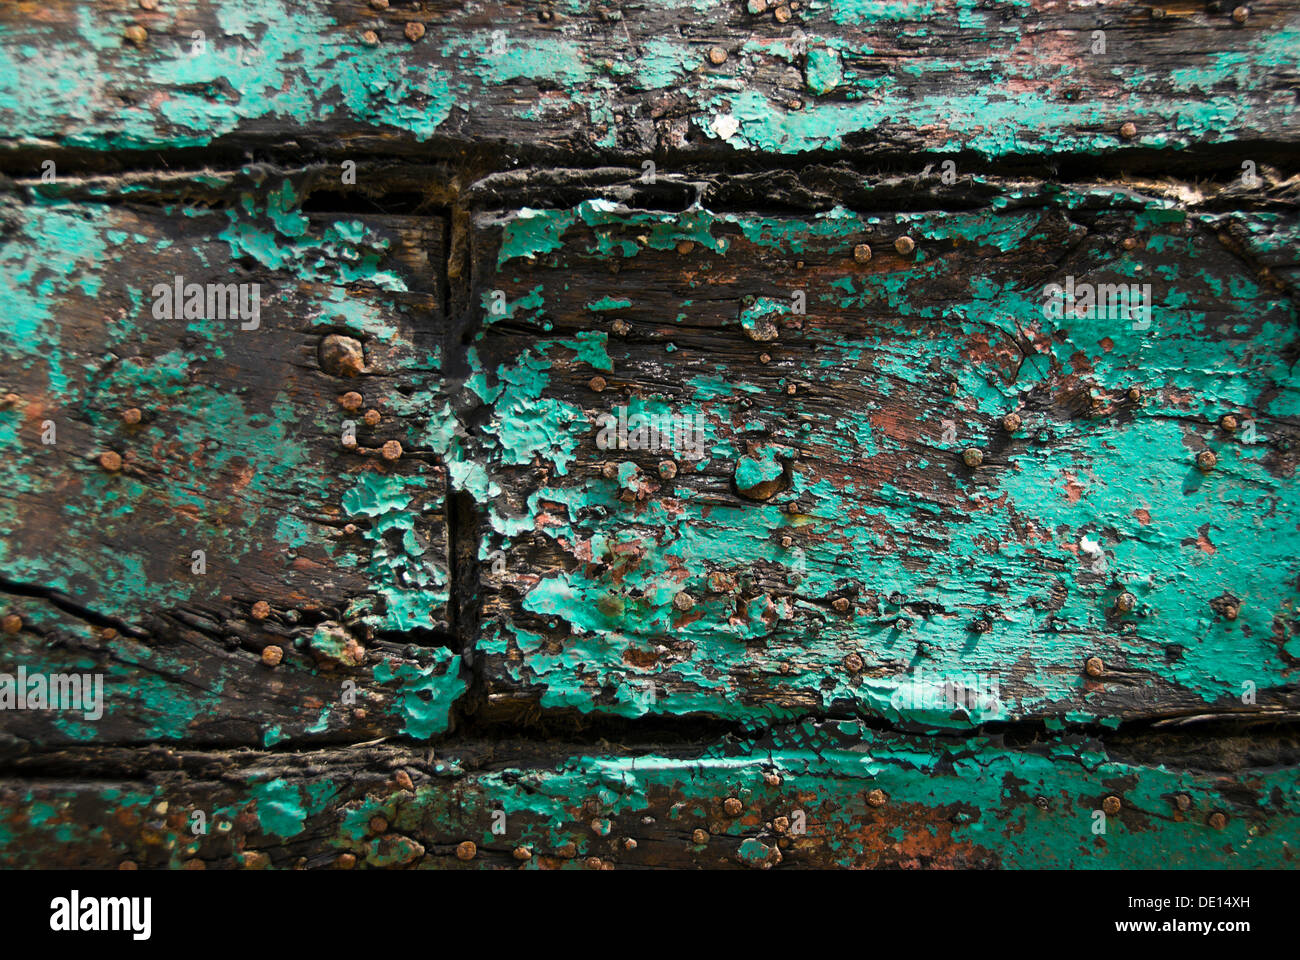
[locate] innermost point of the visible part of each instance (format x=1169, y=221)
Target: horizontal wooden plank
x=651, y=79
x=808, y=797
x=175, y=489
x=834, y=551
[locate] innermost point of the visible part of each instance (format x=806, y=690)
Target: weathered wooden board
x=652, y=79
x=133, y=438
x=832, y=552
x=813, y=796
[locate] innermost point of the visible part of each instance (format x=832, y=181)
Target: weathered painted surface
x=991, y=78
x=235, y=452
x=952, y=579
x=831, y=551
x=832, y=795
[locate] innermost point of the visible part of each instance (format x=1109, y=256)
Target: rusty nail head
x=346, y=861
x=685, y=246
x=1205, y=461
x=771, y=779
x=764, y=358
x=523, y=853
x=782, y=14
x=372, y=418
x=667, y=469
x=131, y=415
x=1183, y=802
x=1111, y=805
x=621, y=327
x=1217, y=820
x=1011, y=422
x=136, y=34
x=699, y=837
x=683, y=601
x=466, y=850
x=1128, y=130
x=972, y=456
x=853, y=663
x=378, y=825
x=351, y=401
x=840, y=605
x=148, y=4
x=341, y=356
x=787, y=542
x=1135, y=394
x=392, y=450
x=1231, y=610
x=1130, y=243
x=717, y=56
x=1125, y=602
x=780, y=824
x=272, y=655
x=370, y=38
x=1041, y=802
x=110, y=461
x=1094, y=667
x=877, y=798
x=403, y=780
x=414, y=30
x=757, y=6
x=597, y=383
x=12, y=623
x=261, y=610
x=1228, y=423
x=379, y=4
x=862, y=252
x=904, y=245
x=732, y=806
x=1241, y=14
x=609, y=470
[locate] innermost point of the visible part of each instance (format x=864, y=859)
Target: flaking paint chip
x=725, y=125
